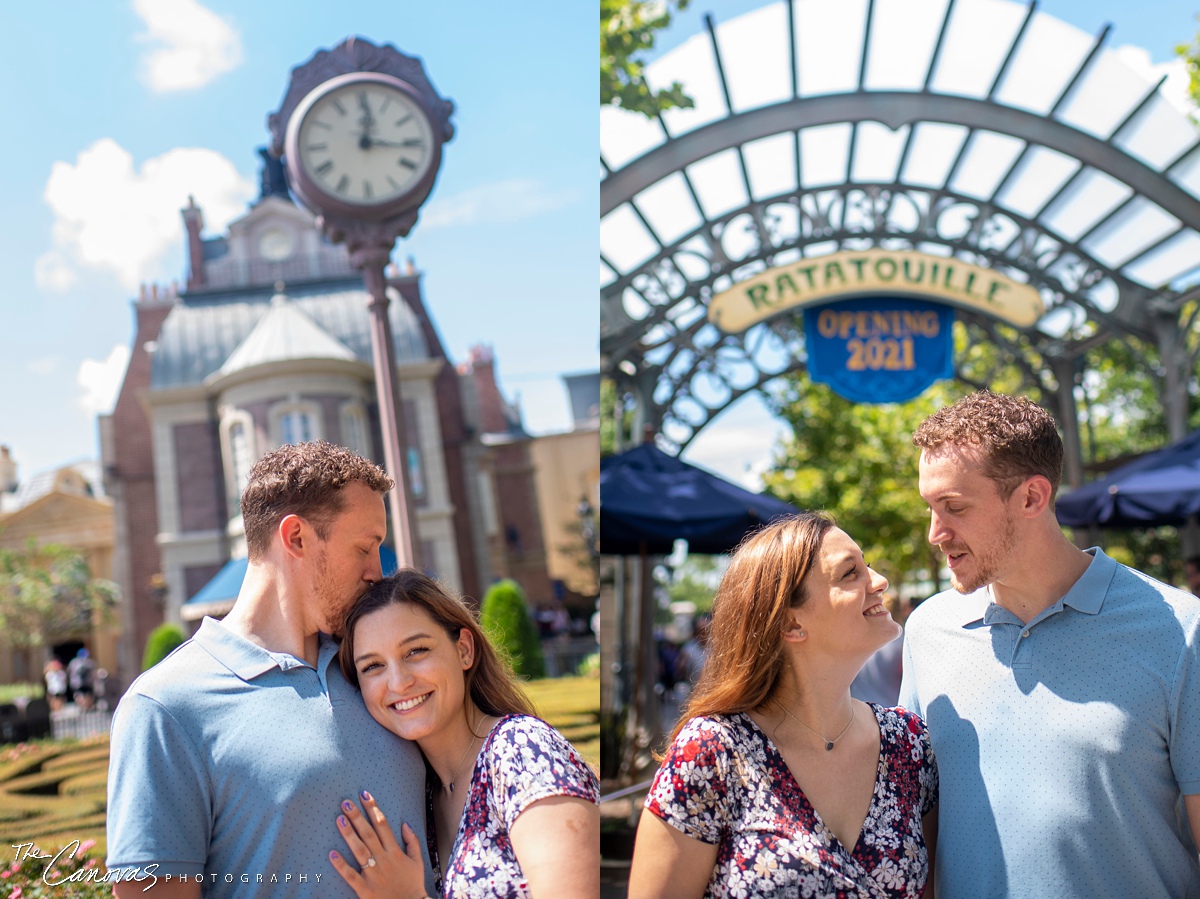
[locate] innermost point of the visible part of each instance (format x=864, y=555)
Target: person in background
x=56, y=684
x=1061, y=689
x=694, y=651
x=79, y=677
x=1191, y=570
x=879, y=680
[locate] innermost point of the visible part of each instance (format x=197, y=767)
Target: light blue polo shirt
x=1064, y=744
x=230, y=762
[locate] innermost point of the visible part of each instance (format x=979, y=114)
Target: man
x=79, y=676
x=230, y=757
x=1061, y=689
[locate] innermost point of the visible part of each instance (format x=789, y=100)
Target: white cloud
x=111, y=216
x=101, y=379
x=499, y=203
x=1176, y=87
x=193, y=45
x=47, y=365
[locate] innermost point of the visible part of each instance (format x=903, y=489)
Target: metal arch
x=658, y=358
x=1027, y=234
x=896, y=109
x=661, y=347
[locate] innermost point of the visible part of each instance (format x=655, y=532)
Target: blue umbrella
x=1159, y=488
x=649, y=499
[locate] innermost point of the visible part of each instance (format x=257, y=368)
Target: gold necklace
x=828, y=743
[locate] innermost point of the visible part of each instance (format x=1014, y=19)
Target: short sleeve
x=529, y=760
x=159, y=802
x=689, y=792
x=1185, y=715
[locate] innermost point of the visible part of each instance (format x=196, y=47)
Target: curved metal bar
x=895, y=109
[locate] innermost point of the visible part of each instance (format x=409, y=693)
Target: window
x=354, y=430
x=296, y=426
x=240, y=456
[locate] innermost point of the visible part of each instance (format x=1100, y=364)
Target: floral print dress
x=523, y=759
x=724, y=782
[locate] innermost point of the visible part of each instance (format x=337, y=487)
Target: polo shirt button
x=1024, y=635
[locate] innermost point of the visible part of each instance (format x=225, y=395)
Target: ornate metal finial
x=272, y=177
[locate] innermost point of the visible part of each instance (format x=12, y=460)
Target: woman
x=776, y=782
x=511, y=806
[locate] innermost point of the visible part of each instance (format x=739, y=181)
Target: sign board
x=879, y=349
x=818, y=280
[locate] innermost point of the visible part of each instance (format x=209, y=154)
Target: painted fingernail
x=334, y=856
x=367, y=796
x=348, y=805
x=342, y=821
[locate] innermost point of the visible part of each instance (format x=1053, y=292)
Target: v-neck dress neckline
x=724, y=782
x=801, y=798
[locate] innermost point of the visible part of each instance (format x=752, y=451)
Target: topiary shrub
x=162, y=640
x=505, y=618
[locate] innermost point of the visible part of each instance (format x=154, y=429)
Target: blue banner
x=879, y=349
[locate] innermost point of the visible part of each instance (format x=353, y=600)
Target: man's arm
x=158, y=802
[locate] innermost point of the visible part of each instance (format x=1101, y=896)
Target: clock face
x=275, y=244
x=365, y=143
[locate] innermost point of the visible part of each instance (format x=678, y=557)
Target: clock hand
x=367, y=121
x=408, y=144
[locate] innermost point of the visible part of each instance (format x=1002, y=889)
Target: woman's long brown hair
x=745, y=645
x=490, y=682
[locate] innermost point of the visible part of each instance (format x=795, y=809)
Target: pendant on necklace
x=828, y=748
x=451, y=786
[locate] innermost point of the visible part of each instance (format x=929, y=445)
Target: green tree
x=610, y=397
x=161, y=642
x=695, y=581
x=48, y=592
x=504, y=617
x=627, y=31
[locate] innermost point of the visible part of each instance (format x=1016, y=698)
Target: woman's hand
x=385, y=870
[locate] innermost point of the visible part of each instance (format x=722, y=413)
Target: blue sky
x=737, y=444
x=117, y=109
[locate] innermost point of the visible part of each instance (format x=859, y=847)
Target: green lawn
x=53, y=793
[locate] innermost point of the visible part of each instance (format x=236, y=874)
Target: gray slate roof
x=203, y=332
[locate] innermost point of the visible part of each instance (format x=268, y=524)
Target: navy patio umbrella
x=649, y=499
x=1159, y=488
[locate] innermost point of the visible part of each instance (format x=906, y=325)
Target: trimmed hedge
x=504, y=616
x=160, y=644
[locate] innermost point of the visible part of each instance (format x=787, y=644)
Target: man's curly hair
x=304, y=479
x=1017, y=438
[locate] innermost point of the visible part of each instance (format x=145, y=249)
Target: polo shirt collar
x=249, y=660
x=1086, y=594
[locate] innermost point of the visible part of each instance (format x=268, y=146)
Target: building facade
x=270, y=344
x=60, y=506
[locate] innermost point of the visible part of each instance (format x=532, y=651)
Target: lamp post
x=360, y=131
